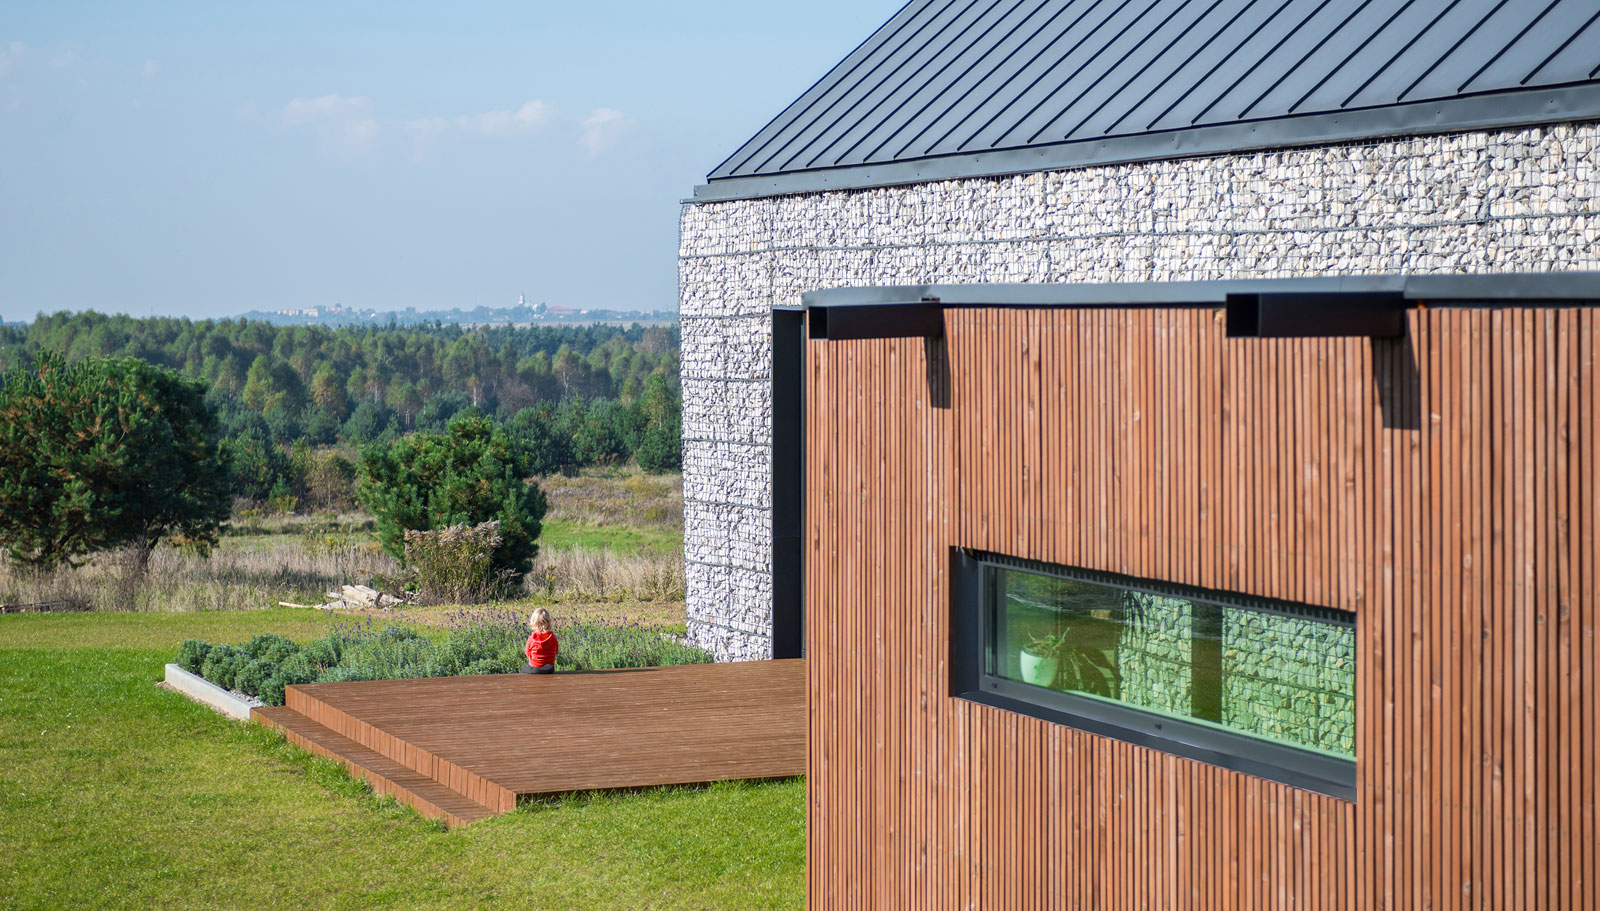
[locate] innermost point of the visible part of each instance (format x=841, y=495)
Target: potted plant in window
x=1041, y=658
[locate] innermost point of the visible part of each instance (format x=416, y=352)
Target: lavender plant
x=481, y=641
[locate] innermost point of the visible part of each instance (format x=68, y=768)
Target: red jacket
x=541, y=649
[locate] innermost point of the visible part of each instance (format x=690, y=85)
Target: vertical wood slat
x=1444, y=488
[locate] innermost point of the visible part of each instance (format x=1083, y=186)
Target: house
x=1167, y=429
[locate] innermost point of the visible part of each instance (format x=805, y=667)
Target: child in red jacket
x=542, y=645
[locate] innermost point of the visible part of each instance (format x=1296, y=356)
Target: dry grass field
x=612, y=548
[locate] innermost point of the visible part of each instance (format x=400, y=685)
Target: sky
x=204, y=159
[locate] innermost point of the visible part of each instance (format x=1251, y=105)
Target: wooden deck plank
x=638, y=727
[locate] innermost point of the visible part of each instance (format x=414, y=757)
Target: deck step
x=429, y=797
x=305, y=699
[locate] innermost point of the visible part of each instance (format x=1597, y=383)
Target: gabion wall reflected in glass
x=1281, y=678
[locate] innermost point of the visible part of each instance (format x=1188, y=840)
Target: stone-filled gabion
x=1505, y=201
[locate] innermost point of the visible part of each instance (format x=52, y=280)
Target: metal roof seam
x=820, y=134
x=1512, y=43
x=1303, y=60
x=1039, y=78
x=931, y=59
x=1400, y=53
x=1113, y=68
x=1263, y=59
x=1043, y=4
x=1224, y=59
x=1564, y=45
x=1142, y=70
x=1450, y=51
x=1093, y=5
x=909, y=17
x=1351, y=56
x=1204, y=45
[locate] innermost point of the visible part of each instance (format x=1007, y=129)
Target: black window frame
x=973, y=588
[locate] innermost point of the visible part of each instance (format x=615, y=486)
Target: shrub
x=192, y=655
x=473, y=643
x=250, y=678
x=455, y=565
x=296, y=669
x=469, y=475
x=589, y=646
x=322, y=653
x=271, y=691
x=271, y=646
x=393, y=633
x=549, y=451
x=223, y=664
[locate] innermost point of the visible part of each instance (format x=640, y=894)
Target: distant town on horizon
x=522, y=315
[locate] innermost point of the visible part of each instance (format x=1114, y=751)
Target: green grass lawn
x=117, y=794
x=566, y=534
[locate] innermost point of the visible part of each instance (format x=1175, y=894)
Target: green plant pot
x=1039, y=670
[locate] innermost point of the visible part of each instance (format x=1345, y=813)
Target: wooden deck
x=461, y=748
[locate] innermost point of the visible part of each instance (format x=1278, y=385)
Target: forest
x=296, y=403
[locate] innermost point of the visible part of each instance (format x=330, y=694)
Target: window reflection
x=1282, y=678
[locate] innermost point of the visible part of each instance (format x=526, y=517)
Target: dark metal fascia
x=1526, y=107
x=1317, y=314
x=913, y=319
x=1503, y=288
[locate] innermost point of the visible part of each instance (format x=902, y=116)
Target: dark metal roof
x=952, y=88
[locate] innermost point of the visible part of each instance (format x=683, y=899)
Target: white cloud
x=151, y=69
x=422, y=132
x=10, y=54
x=63, y=59
x=325, y=108
x=351, y=124
x=531, y=116
x=347, y=124
x=602, y=129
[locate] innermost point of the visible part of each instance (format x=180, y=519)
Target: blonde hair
x=539, y=620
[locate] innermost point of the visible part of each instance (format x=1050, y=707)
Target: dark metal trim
x=923, y=319
x=1294, y=609
x=972, y=585
x=788, y=483
x=1523, y=107
x=1316, y=314
x=1540, y=288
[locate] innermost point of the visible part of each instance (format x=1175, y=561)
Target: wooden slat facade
x=1444, y=487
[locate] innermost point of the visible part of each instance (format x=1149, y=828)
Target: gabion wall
x=1508, y=201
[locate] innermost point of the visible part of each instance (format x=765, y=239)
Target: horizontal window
x=1262, y=686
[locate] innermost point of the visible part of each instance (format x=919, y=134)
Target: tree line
x=284, y=395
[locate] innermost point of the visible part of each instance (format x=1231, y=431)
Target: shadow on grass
x=566, y=800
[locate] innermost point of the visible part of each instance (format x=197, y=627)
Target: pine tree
x=105, y=453
x=471, y=473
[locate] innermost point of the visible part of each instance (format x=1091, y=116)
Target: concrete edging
x=209, y=694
